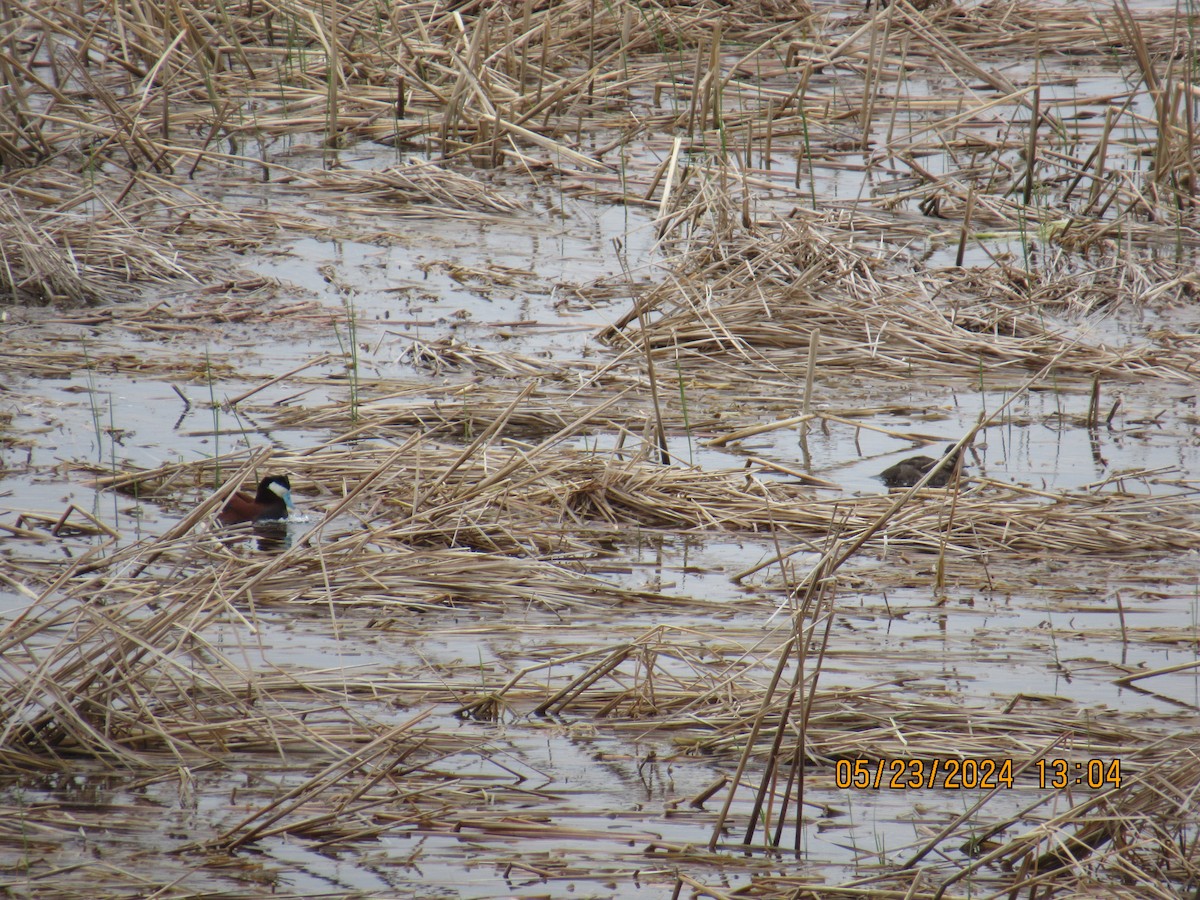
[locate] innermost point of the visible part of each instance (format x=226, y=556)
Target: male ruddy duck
x=272, y=503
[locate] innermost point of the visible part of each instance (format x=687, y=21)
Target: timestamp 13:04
x=973, y=773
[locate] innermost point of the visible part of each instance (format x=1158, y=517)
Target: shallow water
x=592, y=802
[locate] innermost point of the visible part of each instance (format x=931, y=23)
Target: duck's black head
x=274, y=488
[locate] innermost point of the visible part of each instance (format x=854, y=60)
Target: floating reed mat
x=420, y=188
x=708, y=692
x=466, y=407
x=500, y=497
x=898, y=723
x=391, y=584
x=450, y=354
x=128, y=671
x=134, y=667
x=72, y=257
x=147, y=665
x=129, y=665
x=533, y=85
x=71, y=240
x=771, y=291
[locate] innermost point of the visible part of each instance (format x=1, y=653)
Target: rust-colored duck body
x=272, y=502
x=909, y=471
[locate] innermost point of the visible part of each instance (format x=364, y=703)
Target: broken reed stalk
x=1031, y=148
x=872, y=75
x=814, y=340
x=945, y=529
x=333, y=75
x=968, y=210
x=1191, y=175
x=1099, y=181
x=330, y=776
x=586, y=679
x=797, y=773
x=1124, y=630
x=713, y=110
x=470, y=450
x=660, y=432
x=1093, y=413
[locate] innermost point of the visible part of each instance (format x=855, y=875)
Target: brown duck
x=273, y=502
x=909, y=471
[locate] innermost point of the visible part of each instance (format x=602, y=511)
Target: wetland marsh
x=582, y=331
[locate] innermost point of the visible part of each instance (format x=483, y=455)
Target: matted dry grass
x=760, y=298
x=470, y=501
x=118, y=666
x=510, y=495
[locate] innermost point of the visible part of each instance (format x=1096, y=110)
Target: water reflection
x=273, y=540
x=268, y=537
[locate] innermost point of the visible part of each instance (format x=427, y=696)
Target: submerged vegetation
x=565, y=616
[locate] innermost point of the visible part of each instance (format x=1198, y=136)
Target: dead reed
x=474, y=563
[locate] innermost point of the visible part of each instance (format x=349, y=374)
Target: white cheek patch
x=282, y=493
